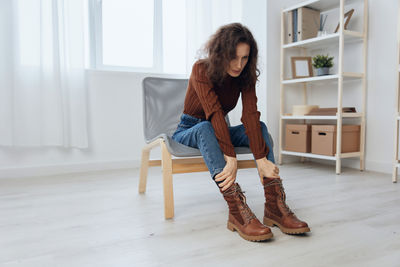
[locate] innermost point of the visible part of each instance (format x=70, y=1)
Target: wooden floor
x=99, y=219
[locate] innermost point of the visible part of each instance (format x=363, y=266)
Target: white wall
x=382, y=71
x=115, y=107
x=273, y=66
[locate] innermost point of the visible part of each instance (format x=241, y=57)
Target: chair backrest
x=163, y=100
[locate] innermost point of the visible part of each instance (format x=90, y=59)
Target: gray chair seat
x=180, y=150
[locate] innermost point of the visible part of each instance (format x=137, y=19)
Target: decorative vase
x=322, y=71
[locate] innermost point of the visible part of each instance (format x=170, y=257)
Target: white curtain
x=203, y=18
x=43, y=92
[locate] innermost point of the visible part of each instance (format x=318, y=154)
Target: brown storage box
x=298, y=138
x=324, y=139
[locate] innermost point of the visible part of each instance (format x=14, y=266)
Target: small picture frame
x=301, y=67
x=347, y=18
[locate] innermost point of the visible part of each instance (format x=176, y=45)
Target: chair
x=163, y=100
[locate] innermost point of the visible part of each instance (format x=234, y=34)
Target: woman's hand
x=228, y=174
x=267, y=169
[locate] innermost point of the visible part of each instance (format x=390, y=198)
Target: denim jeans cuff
x=215, y=172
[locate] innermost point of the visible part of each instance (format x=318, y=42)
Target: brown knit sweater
x=203, y=100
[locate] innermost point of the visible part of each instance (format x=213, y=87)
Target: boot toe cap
x=294, y=222
x=265, y=231
x=257, y=228
x=301, y=224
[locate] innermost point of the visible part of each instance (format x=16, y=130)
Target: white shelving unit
x=396, y=161
x=323, y=41
x=339, y=40
x=346, y=77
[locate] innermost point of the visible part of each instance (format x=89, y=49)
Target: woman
x=215, y=84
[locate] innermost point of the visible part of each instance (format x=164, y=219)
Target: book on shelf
x=330, y=111
x=295, y=25
x=289, y=29
x=308, y=21
x=302, y=23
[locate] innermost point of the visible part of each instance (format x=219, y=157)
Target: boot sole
x=233, y=228
x=292, y=231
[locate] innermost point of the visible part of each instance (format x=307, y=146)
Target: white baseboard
x=46, y=170
x=375, y=166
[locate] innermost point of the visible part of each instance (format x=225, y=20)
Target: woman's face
x=237, y=64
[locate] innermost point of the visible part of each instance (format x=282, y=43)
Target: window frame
x=96, y=40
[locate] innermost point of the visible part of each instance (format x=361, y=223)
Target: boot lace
x=278, y=182
x=243, y=208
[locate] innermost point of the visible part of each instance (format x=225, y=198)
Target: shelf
x=346, y=77
x=322, y=5
x=327, y=40
x=337, y=42
x=316, y=156
x=308, y=117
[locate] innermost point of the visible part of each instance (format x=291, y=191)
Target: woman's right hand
x=267, y=169
x=228, y=174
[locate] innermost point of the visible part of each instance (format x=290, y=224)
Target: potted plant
x=322, y=63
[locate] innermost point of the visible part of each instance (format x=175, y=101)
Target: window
x=127, y=33
x=174, y=36
x=147, y=36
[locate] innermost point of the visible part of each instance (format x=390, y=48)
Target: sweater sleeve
x=251, y=121
x=212, y=108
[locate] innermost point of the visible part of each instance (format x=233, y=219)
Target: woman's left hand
x=267, y=169
x=228, y=175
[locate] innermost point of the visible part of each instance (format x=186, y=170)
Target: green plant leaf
x=322, y=61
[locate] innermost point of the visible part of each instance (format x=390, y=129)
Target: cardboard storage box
x=298, y=138
x=323, y=139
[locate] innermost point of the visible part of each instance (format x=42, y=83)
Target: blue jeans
x=199, y=133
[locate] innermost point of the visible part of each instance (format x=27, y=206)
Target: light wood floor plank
x=99, y=219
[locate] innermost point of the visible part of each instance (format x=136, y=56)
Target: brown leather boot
x=241, y=218
x=277, y=212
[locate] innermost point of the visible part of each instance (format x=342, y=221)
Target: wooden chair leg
x=144, y=167
x=166, y=160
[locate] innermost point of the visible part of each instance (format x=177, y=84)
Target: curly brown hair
x=221, y=49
